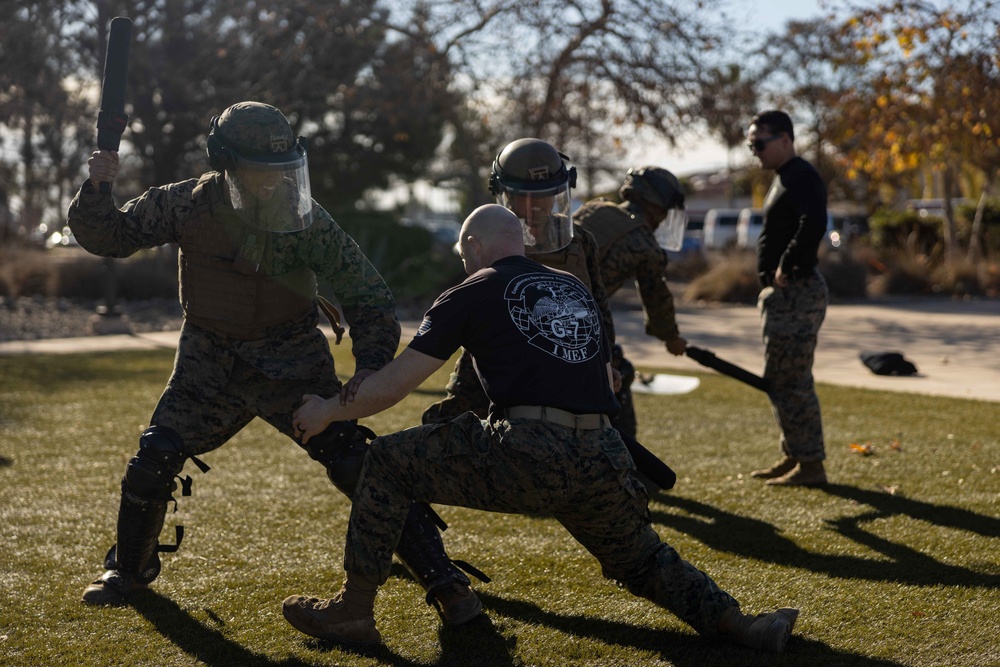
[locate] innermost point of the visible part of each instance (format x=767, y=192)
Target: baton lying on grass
x=707, y=358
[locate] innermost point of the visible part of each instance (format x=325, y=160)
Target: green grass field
x=894, y=563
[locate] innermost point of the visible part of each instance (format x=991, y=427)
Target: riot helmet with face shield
x=531, y=178
x=265, y=167
x=658, y=193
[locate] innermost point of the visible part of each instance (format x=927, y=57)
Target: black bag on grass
x=888, y=363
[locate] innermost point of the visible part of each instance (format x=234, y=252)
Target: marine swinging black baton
x=112, y=119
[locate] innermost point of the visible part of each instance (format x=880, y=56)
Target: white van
x=748, y=227
x=720, y=227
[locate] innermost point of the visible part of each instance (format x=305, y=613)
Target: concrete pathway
x=955, y=345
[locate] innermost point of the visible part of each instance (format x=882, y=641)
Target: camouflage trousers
x=579, y=478
x=790, y=320
x=213, y=393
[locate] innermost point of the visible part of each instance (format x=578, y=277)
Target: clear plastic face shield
x=272, y=193
x=670, y=232
x=545, y=215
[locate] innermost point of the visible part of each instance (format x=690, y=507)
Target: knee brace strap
x=342, y=452
x=150, y=473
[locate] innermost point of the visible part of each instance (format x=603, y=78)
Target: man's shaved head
x=491, y=232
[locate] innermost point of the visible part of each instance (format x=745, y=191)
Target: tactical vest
x=222, y=288
x=571, y=259
x=607, y=222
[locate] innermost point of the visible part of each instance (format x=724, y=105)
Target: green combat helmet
x=658, y=193
x=265, y=166
x=531, y=179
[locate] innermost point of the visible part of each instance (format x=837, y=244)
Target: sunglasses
x=758, y=145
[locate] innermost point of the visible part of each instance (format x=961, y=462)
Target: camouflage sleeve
x=346, y=277
x=651, y=283
x=147, y=221
x=596, y=283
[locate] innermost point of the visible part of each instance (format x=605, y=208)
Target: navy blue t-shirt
x=534, y=333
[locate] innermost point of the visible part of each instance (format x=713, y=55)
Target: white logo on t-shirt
x=556, y=314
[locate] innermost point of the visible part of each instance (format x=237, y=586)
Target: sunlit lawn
x=895, y=563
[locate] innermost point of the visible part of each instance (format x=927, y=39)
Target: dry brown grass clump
x=732, y=278
x=26, y=271
x=964, y=278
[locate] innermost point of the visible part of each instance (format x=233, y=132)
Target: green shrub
x=893, y=229
x=965, y=214
x=415, y=266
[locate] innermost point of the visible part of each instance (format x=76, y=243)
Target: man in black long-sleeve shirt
x=793, y=300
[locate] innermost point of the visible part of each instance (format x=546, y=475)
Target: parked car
x=748, y=227
x=720, y=227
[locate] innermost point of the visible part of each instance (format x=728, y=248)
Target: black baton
x=708, y=359
x=649, y=465
x=112, y=119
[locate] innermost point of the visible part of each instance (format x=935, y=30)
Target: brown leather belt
x=588, y=422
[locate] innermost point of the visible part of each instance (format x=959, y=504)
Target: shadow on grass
x=753, y=538
x=204, y=643
x=6, y=462
x=681, y=649
x=477, y=639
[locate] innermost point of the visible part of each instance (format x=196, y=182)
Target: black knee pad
x=150, y=473
x=341, y=448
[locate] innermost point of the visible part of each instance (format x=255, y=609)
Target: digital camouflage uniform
x=579, y=476
x=465, y=391
x=790, y=321
x=250, y=346
x=221, y=380
x=628, y=251
x=794, y=224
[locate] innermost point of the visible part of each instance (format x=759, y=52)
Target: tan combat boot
x=782, y=467
x=806, y=473
x=764, y=632
x=347, y=618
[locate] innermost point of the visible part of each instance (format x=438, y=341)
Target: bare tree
x=728, y=101
x=582, y=74
x=41, y=107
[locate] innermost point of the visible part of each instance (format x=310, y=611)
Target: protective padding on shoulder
x=150, y=473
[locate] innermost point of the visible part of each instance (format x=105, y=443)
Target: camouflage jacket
x=633, y=255
x=343, y=273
